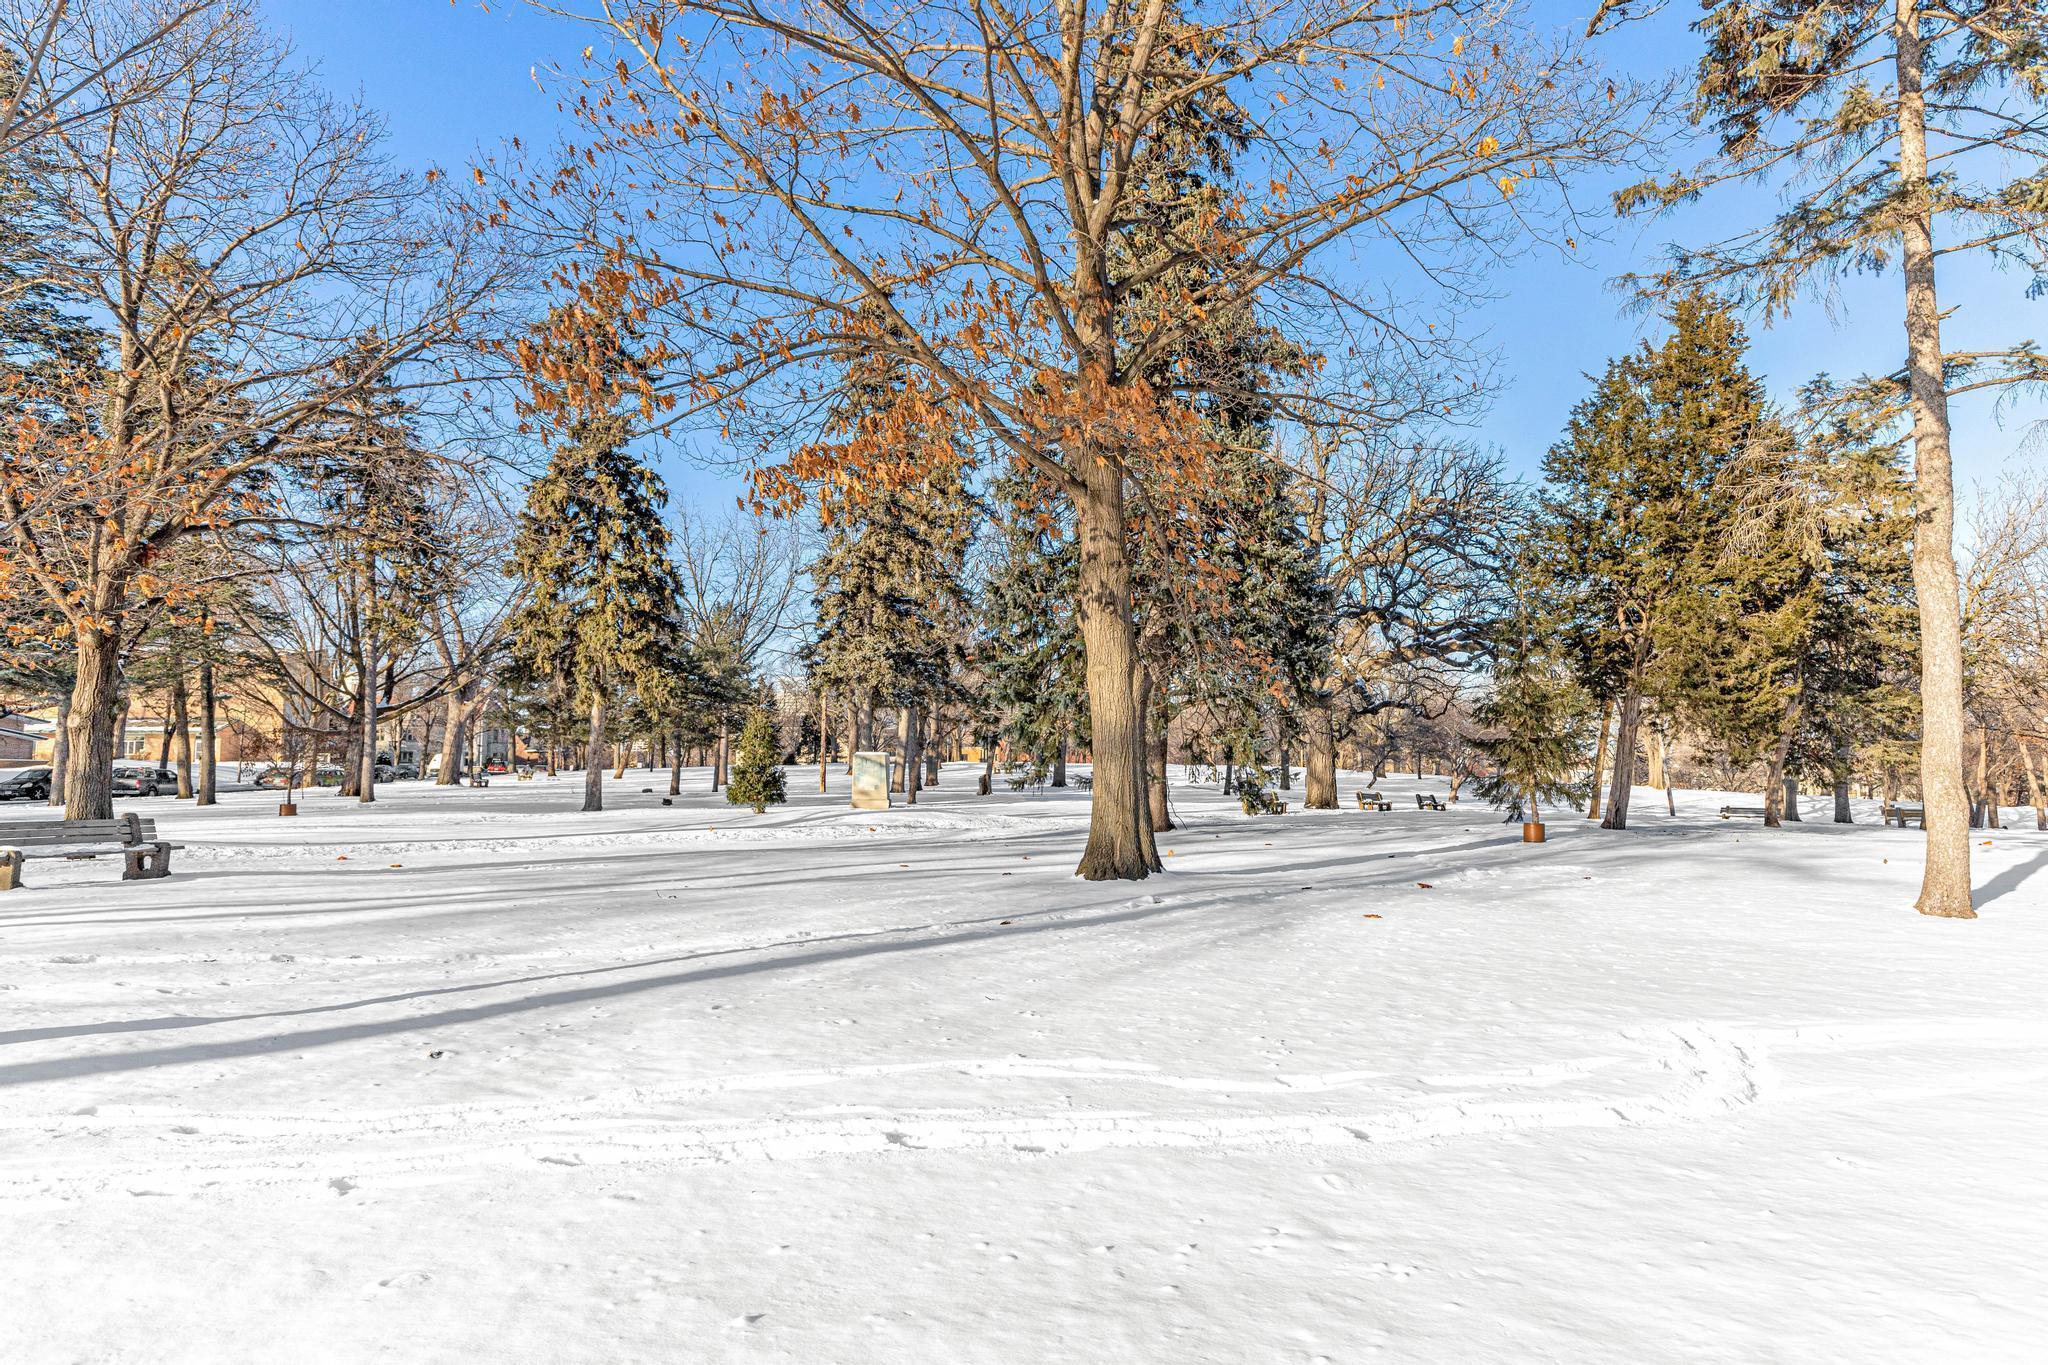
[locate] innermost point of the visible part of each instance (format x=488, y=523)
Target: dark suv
x=133, y=781
x=30, y=784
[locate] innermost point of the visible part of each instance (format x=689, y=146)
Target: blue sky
x=452, y=78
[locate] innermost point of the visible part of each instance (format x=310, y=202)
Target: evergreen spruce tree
x=1029, y=648
x=1810, y=602
x=1535, y=727
x=757, y=776
x=385, y=547
x=1634, y=512
x=890, y=584
x=597, y=607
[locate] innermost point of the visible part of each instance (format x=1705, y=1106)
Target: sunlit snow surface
x=467, y=1075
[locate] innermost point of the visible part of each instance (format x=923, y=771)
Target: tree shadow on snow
x=2010, y=880
x=101, y=1064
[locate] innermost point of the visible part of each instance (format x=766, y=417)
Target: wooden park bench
x=1373, y=801
x=1899, y=815
x=1084, y=781
x=1748, y=812
x=130, y=835
x=1423, y=802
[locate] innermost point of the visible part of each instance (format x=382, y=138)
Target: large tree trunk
x=1791, y=783
x=454, y=718
x=593, y=768
x=60, y=749
x=675, y=767
x=824, y=737
x=1777, y=786
x=367, y=781
x=1116, y=828
x=1059, y=763
x=1600, y=758
x=95, y=702
x=1319, y=783
x=181, y=733
x=1843, y=816
x=1945, y=883
x=209, y=733
x=1624, y=776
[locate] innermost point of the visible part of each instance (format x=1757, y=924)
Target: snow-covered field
x=468, y=1076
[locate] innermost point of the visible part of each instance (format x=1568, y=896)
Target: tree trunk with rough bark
x=366, y=781
x=1600, y=759
x=95, y=701
x=1155, y=778
x=60, y=749
x=1319, y=782
x=1117, y=848
x=2034, y=788
x=1791, y=781
x=824, y=737
x=453, y=717
x=1622, y=783
x=1978, y=787
x=910, y=732
x=1945, y=882
x=593, y=768
x=1777, y=785
x=181, y=733
x=1152, y=705
x=209, y=733
x=1059, y=763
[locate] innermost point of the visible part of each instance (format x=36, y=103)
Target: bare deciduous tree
x=776, y=183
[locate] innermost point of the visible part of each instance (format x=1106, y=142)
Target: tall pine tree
x=1633, y=513
x=598, y=592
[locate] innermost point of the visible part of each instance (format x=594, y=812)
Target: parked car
x=133, y=781
x=496, y=766
x=405, y=772
x=29, y=784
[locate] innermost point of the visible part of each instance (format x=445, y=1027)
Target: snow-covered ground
x=468, y=1076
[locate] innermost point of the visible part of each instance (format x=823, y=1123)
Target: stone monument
x=870, y=781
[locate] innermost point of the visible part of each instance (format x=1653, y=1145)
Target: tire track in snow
x=1715, y=1073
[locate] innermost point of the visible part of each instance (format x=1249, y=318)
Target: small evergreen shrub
x=757, y=777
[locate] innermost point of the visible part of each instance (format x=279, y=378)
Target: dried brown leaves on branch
x=959, y=185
